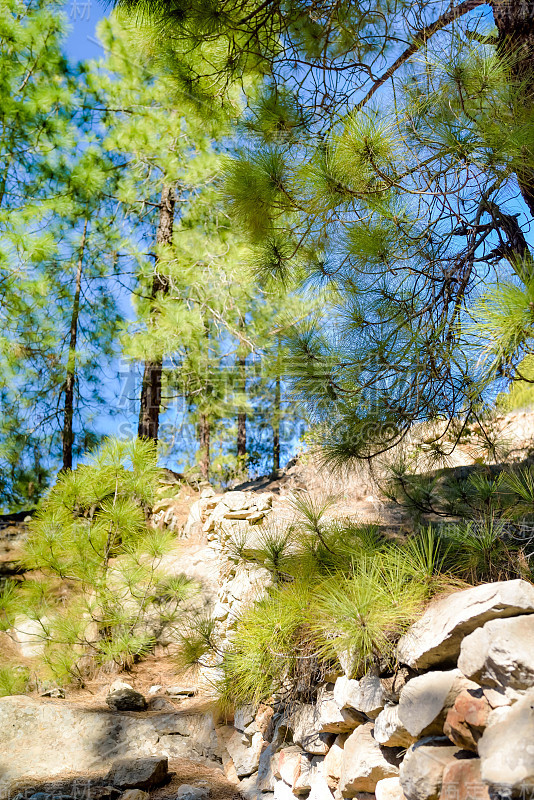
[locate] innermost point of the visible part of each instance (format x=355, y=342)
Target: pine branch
x=420, y=38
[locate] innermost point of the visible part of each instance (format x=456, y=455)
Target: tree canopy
x=390, y=155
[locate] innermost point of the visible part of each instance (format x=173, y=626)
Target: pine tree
x=383, y=171
x=91, y=533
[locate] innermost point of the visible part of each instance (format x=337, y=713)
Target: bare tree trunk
x=277, y=412
x=204, y=435
x=151, y=387
x=70, y=381
x=242, y=414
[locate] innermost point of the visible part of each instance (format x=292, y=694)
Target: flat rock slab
x=43, y=740
x=436, y=638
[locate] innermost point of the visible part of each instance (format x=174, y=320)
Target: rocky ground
x=455, y=721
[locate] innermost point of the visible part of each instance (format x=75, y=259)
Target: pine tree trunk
x=276, y=427
x=151, y=387
x=515, y=23
x=242, y=415
x=68, y=416
x=204, y=435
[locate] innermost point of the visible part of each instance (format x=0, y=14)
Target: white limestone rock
x=365, y=762
x=436, y=638
x=425, y=700
x=390, y=731
x=501, y=653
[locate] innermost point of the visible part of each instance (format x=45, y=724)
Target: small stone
x=236, y=501
x=467, y=719
x=154, y=689
x=462, y=781
x=180, y=691
x=139, y=773
x=56, y=692
x=390, y=789
x=188, y=792
x=134, y=794
x=161, y=704
x=122, y=697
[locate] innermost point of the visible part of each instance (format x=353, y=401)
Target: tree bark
x=204, y=435
x=277, y=411
x=150, y=405
x=70, y=381
x=515, y=23
x=242, y=414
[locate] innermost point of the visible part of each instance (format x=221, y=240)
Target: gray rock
x=305, y=725
x=243, y=717
x=134, y=794
x=501, y=653
x=390, y=731
x=437, y=636
x=365, y=762
x=122, y=697
x=161, y=704
x=87, y=742
x=365, y=696
x=328, y=717
x=506, y=750
x=266, y=769
x=139, y=773
x=421, y=772
x=425, y=700
x=245, y=755
x=188, y=792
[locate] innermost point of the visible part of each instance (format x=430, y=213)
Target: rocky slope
x=454, y=721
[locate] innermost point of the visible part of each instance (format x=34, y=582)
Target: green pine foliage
x=93, y=584
x=341, y=594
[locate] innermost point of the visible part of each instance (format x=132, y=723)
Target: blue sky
x=83, y=16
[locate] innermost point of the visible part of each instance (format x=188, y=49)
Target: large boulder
x=506, y=750
x=437, y=636
x=501, y=653
x=425, y=700
x=365, y=762
x=421, y=772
